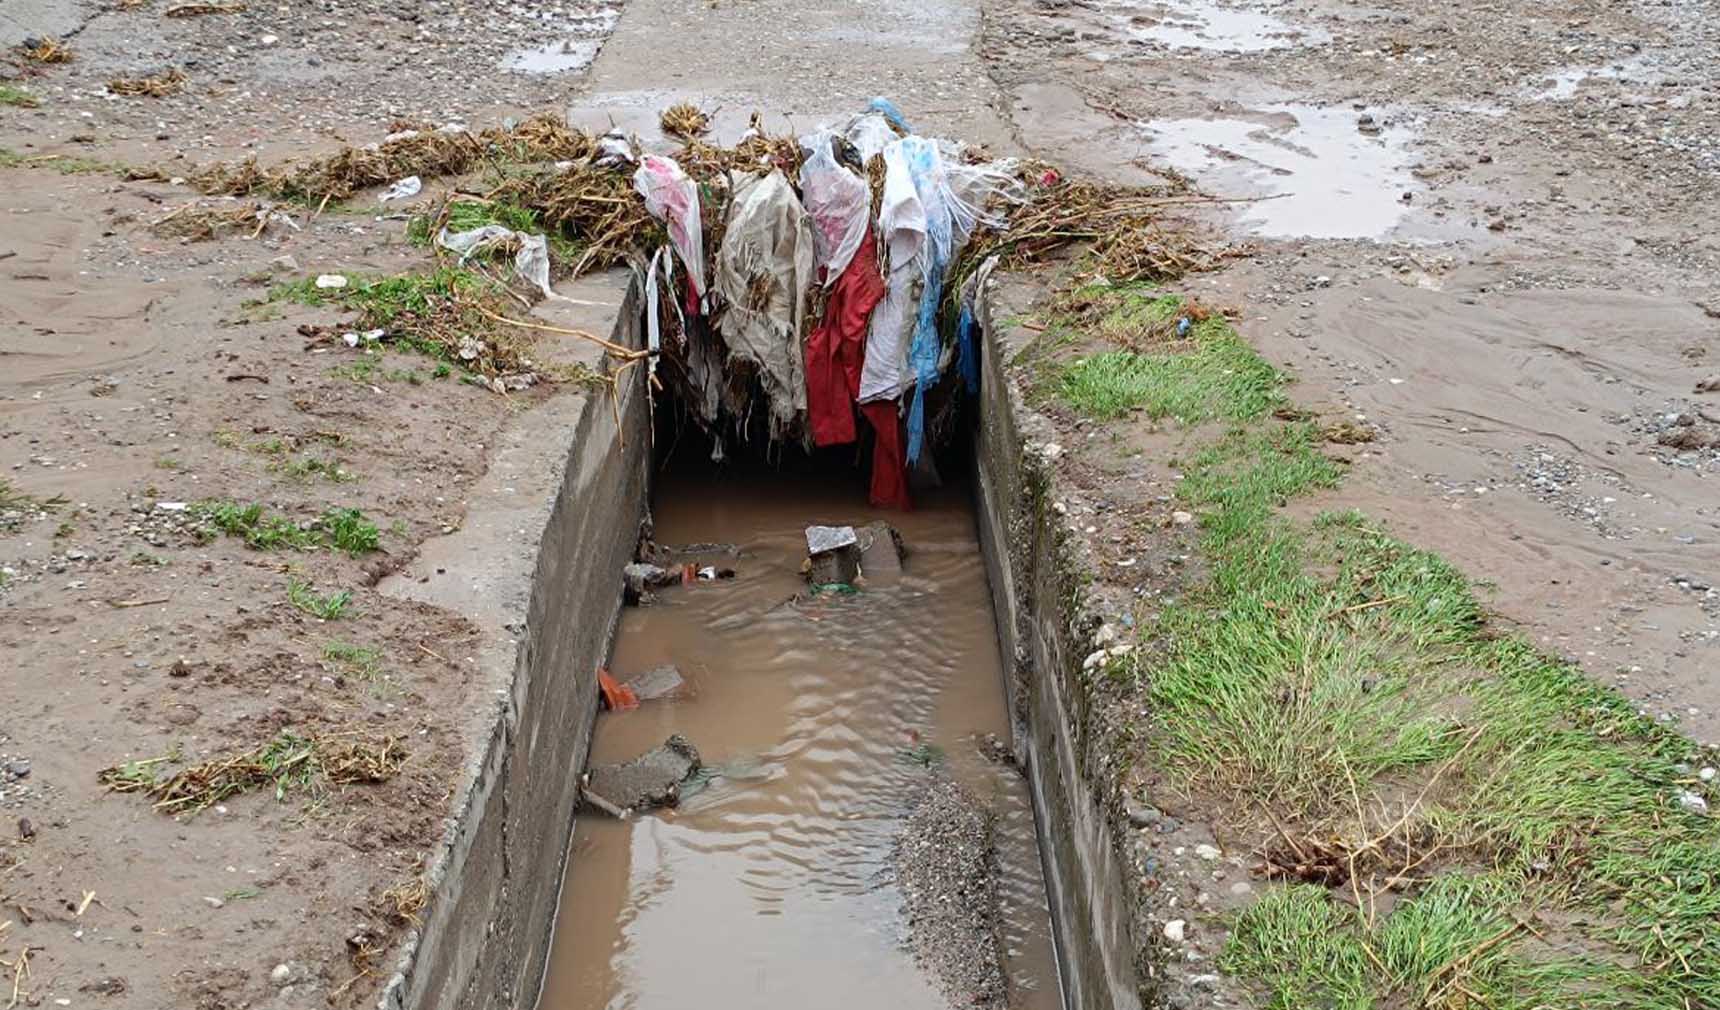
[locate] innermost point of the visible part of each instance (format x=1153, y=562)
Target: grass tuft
x=17, y=97
x=1435, y=796
x=330, y=607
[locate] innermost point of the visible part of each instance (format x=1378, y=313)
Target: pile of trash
x=814, y=290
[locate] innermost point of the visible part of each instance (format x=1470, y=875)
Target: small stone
x=1691, y=802
x=1182, y=518
x=282, y=974
x=20, y=769
x=1142, y=815
x=1241, y=888
x=213, y=902
x=1207, y=852
x=331, y=281
x=1707, y=774
x=287, y=264
x=269, y=40
x=1174, y=930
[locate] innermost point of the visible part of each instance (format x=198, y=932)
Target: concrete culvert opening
x=844, y=812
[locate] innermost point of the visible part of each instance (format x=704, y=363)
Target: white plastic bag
x=839, y=202
x=902, y=229
x=870, y=133
x=673, y=198
x=531, y=262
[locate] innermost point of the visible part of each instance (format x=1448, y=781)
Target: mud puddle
x=1211, y=27
x=582, y=36
x=824, y=719
x=1315, y=172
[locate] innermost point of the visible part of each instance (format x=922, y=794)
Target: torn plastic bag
x=926, y=169
x=531, y=261
x=887, y=109
x=405, y=189
x=763, y=271
x=902, y=229
x=839, y=202
x=870, y=133
x=614, y=150
x=673, y=198
x=967, y=326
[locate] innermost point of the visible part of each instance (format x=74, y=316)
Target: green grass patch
x=1344, y=694
x=305, y=469
x=1168, y=365
x=363, y=662
x=342, y=529
x=328, y=607
x=11, y=94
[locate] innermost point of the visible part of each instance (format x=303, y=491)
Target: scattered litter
x=639, y=578
x=652, y=779
x=616, y=697
x=405, y=189
x=353, y=338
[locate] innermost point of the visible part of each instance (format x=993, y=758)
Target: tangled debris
x=199, y=222
x=46, y=49
x=155, y=86
x=412, y=149
x=685, y=120
x=946, y=866
x=194, y=10
x=286, y=763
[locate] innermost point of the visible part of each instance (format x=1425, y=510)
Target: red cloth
x=835, y=350
x=889, y=457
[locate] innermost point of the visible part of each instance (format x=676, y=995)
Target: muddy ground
x=1488, y=235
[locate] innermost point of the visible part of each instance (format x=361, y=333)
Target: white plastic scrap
x=405, y=189
x=531, y=261
x=614, y=150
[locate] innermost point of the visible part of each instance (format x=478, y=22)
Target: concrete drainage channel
x=830, y=862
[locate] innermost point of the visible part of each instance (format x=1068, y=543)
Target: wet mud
x=823, y=722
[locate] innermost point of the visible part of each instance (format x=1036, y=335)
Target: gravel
x=947, y=869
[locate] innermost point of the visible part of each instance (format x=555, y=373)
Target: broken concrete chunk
x=880, y=553
x=834, y=555
x=828, y=538
x=652, y=779
x=639, y=578
x=659, y=682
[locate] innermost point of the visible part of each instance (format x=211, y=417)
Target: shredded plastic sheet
x=839, y=202
x=968, y=328
x=764, y=269
x=531, y=262
x=870, y=133
x=672, y=197
x=405, y=189
x=902, y=229
x=926, y=168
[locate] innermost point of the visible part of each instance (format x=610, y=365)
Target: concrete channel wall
x=539, y=559
x=566, y=497
x=1036, y=592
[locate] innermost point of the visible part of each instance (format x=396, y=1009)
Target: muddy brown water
x=772, y=887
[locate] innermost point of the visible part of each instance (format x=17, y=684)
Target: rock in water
x=653, y=779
